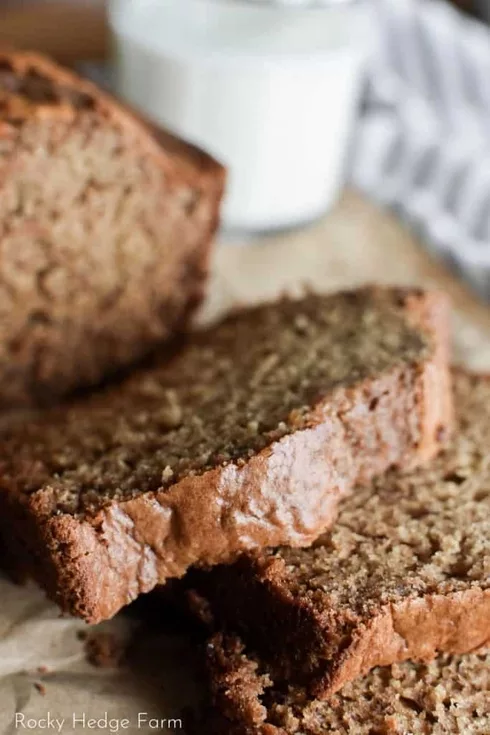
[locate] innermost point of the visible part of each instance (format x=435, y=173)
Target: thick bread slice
x=404, y=573
x=247, y=438
x=105, y=231
x=448, y=696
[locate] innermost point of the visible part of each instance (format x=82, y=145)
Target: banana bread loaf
x=247, y=438
x=404, y=573
x=447, y=696
x=105, y=230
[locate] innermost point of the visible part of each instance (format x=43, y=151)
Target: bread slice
x=105, y=231
x=404, y=574
x=246, y=439
x=447, y=695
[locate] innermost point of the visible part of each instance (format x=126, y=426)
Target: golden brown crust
x=416, y=630
x=403, y=574
x=287, y=493
x=437, y=388
x=196, y=166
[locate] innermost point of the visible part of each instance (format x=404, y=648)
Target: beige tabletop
x=43, y=671
x=357, y=243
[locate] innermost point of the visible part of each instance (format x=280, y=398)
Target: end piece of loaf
x=105, y=231
x=247, y=438
x=448, y=695
x=404, y=573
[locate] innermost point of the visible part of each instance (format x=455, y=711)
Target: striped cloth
x=423, y=142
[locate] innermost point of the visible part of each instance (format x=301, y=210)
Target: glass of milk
x=269, y=88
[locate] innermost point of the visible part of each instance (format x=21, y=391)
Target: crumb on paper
x=105, y=650
x=40, y=688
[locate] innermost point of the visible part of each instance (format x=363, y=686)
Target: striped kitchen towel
x=423, y=142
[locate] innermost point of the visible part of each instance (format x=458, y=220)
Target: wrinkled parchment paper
x=46, y=685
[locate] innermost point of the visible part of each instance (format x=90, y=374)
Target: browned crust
x=179, y=159
x=416, y=628
x=243, y=698
x=240, y=685
x=261, y=599
x=193, y=165
x=413, y=629
x=287, y=494
x=432, y=313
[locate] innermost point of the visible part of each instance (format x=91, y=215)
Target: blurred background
x=301, y=99
x=84, y=29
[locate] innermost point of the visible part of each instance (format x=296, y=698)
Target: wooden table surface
x=357, y=243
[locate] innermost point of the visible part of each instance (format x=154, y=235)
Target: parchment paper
x=355, y=244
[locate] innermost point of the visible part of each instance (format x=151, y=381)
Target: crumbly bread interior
x=409, y=534
x=100, y=243
x=229, y=393
x=448, y=695
x=366, y=593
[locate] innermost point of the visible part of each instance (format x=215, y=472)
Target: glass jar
x=269, y=88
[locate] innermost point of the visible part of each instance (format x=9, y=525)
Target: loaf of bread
x=247, y=438
x=105, y=230
x=448, y=696
x=404, y=573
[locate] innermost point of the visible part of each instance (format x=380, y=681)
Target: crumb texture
x=409, y=534
x=229, y=393
x=104, y=232
x=404, y=572
x=450, y=695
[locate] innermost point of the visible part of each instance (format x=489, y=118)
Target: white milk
x=269, y=90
